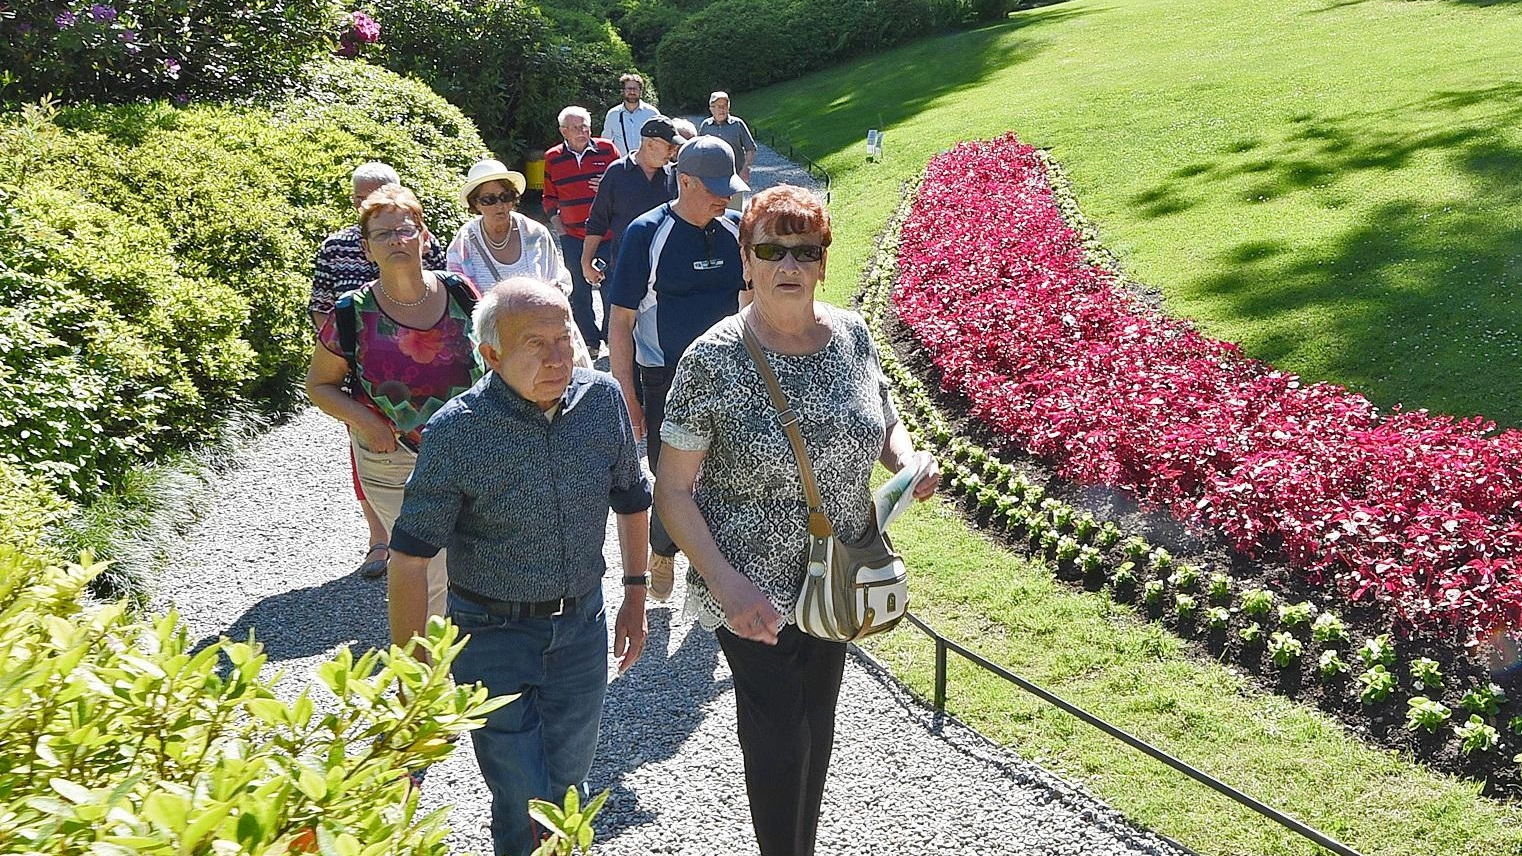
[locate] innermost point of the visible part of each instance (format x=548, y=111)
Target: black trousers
x=655, y=384
x=785, y=699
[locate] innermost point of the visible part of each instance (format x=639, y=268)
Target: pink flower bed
x=1417, y=513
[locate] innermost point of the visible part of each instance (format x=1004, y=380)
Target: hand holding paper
x=897, y=493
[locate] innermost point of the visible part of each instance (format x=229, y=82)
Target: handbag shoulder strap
x=474, y=235
x=819, y=523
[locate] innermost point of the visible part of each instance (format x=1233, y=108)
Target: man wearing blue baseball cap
x=677, y=274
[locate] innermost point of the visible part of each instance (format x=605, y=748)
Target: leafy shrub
x=1425, y=673
x=1378, y=683
x=1486, y=700
x=1426, y=714
x=1284, y=649
x=1332, y=665
x=1378, y=651
x=129, y=50
x=1294, y=615
x=1258, y=602
x=701, y=53
x=120, y=738
x=1476, y=735
x=1328, y=627
x=504, y=63
x=155, y=262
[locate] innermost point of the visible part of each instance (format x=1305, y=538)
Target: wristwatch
x=637, y=580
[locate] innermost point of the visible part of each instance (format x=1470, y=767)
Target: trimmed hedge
x=784, y=40
x=155, y=264
x=510, y=66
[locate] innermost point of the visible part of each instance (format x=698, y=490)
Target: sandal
x=374, y=569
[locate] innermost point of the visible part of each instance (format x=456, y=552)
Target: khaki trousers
x=384, y=475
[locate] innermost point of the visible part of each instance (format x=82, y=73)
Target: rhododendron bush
x=1419, y=514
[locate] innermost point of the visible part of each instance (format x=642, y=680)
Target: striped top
x=341, y=266
x=567, y=178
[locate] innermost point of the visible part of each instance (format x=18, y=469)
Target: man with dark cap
x=633, y=185
x=678, y=273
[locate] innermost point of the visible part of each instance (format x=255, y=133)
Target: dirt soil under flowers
x=1383, y=723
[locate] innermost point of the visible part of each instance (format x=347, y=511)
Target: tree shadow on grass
x=1418, y=300
x=889, y=88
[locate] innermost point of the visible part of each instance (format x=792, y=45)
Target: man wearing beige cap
x=677, y=274
x=732, y=130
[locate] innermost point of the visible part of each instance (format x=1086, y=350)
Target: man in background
x=572, y=171
x=634, y=184
x=732, y=130
x=624, y=120
x=678, y=273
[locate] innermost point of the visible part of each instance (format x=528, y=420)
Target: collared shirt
x=622, y=126
x=341, y=266
x=568, y=182
x=679, y=278
x=520, y=500
x=735, y=132
x=624, y=194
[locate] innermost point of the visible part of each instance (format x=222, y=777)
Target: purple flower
x=127, y=36
x=24, y=28
x=65, y=20
x=180, y=99
x=102, y=14
x=172, y=68
x=365, y=27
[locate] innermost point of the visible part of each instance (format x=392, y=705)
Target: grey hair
x=376, y=173
x=573, y=110
x=684, y=128
x=513, y=294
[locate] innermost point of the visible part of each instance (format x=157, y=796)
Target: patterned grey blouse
x=748, y=490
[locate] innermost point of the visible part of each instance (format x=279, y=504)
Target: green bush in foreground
x=116, y=738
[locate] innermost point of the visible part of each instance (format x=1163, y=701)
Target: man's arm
x=589, y=248
x=630, y=628
x=621, y=363
x=407, y=596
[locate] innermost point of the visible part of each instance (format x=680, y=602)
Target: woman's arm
x=325, y=377
x=747, y=611
x=898, y=452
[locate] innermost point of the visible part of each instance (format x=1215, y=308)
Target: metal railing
x=943, y=645
x=782, y=145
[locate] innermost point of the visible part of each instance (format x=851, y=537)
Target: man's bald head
x=510, y=297
x=524, y=329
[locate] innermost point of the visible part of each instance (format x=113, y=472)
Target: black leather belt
x=518, y=609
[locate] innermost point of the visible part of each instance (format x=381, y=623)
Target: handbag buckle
x=787, y=418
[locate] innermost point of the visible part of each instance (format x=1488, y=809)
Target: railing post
x=940, y=675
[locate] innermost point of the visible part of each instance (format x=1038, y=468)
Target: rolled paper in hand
x=897, y=493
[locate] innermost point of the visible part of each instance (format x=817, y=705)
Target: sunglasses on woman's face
x=494, y=198
x=775, y=252
x=406, y=232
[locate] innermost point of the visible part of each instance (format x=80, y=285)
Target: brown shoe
x=662, y=576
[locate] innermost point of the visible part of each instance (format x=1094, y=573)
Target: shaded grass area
x=1337, y=186
x=1138, y=676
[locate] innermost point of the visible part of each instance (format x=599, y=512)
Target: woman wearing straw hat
x=500, y=242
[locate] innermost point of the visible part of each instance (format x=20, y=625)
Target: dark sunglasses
x=776, y=252
x=494, y=198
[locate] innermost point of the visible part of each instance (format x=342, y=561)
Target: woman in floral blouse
x=405, y=338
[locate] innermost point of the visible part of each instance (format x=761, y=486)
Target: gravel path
x=275, y=553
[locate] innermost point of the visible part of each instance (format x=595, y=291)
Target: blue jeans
x=581, y=293
x=541, y=743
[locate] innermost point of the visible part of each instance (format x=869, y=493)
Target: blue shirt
x=520, y=500
x=681, y=279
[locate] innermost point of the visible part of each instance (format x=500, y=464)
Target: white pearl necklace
x=493, y=244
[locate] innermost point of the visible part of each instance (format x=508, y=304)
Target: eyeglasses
x=406, y=232
x=804, y=253
x=493, y=198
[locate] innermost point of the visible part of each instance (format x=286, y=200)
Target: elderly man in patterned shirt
x=515, y=478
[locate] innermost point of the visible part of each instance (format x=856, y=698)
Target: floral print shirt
x=405, y=374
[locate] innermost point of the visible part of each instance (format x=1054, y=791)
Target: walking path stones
x=275, y=553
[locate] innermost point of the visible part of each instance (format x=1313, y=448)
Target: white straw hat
x=490, y=170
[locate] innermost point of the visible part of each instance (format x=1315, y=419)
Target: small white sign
x=874, y=144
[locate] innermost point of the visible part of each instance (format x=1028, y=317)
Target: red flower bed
x=1417, y=513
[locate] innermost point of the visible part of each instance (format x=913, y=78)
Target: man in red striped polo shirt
x=572, y=171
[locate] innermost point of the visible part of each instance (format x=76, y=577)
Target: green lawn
x=1336, y=185
x=1139, y=676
